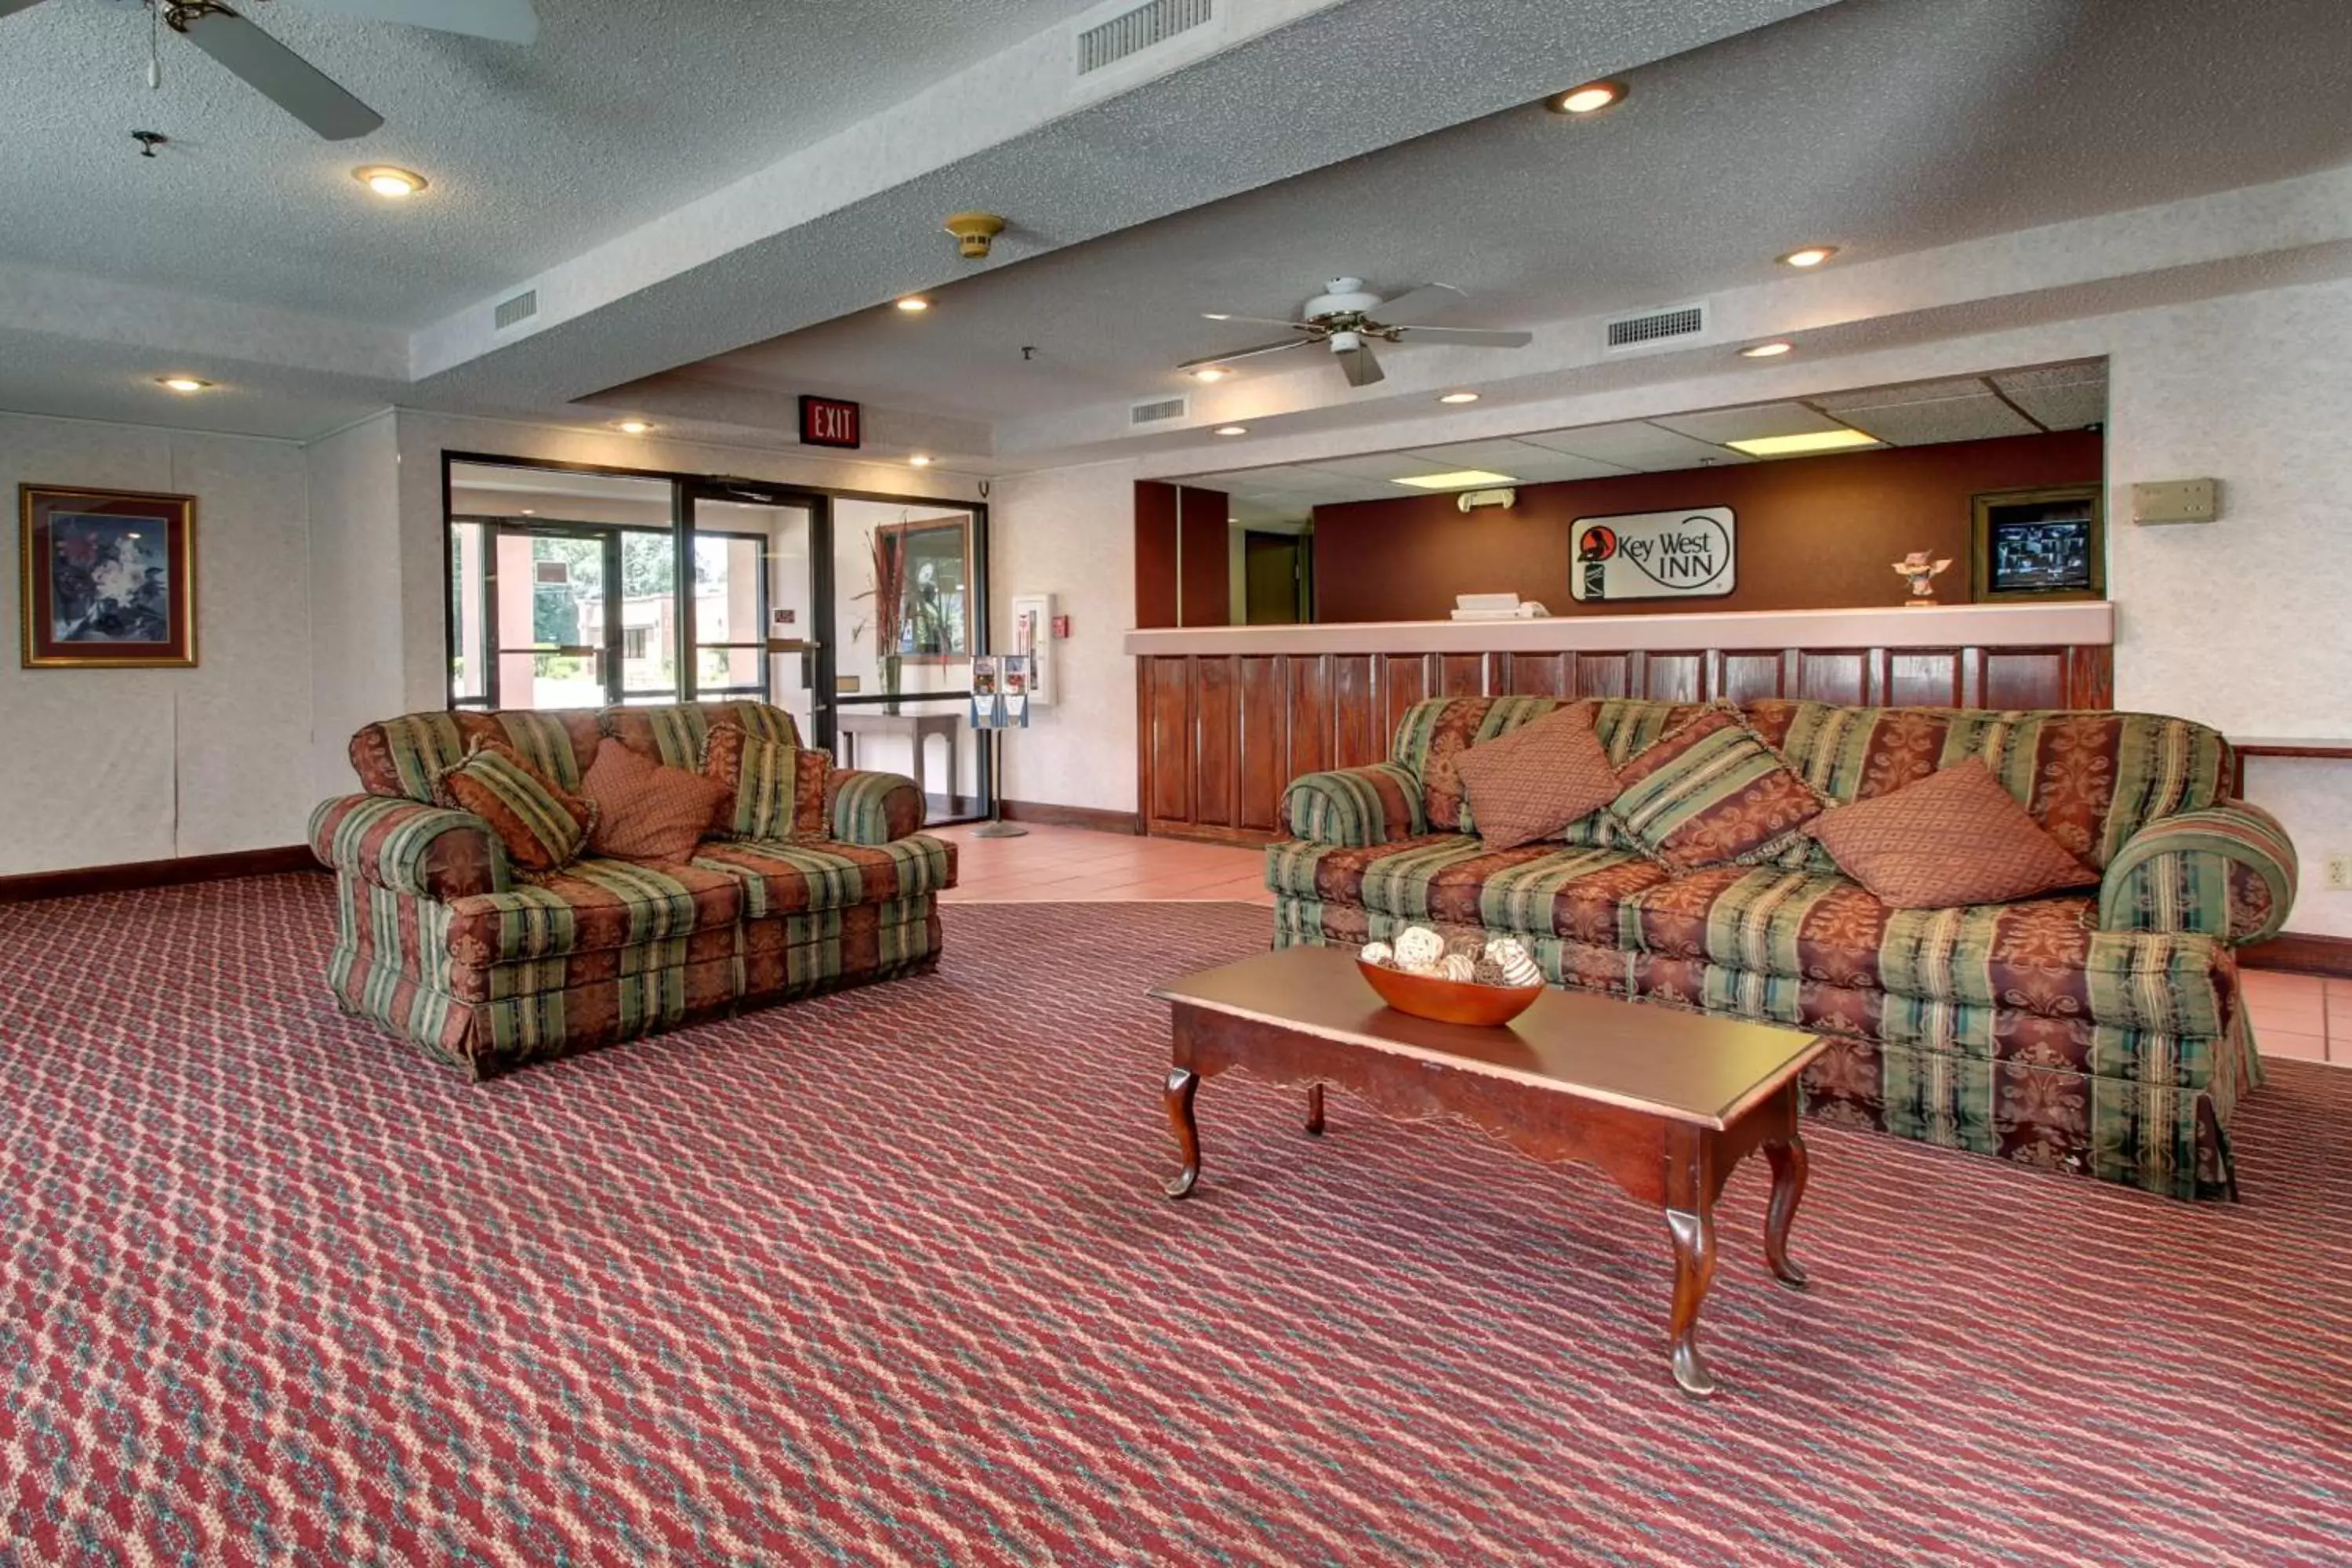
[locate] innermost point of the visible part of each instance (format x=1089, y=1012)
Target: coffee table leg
x=1789, y=1164
x=1694, y=1234
x=1315, y=1111
x=1182, y=1082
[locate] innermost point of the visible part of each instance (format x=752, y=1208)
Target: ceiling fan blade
x=1361, y=368
x=1245, y=353
x=1250, y=321
x=508, y=21
x=1417, y=304
x=1473, y=337
x=283, y=77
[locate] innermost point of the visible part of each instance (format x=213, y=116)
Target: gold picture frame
x=2045, y=543
x=108, y=578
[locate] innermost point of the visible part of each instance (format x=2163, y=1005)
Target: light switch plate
x=2176, y=500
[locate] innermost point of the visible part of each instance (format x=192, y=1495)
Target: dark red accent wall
x=1200, y=592
x=1814, y=533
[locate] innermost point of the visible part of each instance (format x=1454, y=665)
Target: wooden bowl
x=1449, y=1001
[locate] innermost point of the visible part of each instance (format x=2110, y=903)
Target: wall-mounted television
x=2039, y=545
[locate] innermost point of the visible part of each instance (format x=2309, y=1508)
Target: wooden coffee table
x=1665, y=1102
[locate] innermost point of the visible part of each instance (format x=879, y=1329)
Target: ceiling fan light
x=394, y=183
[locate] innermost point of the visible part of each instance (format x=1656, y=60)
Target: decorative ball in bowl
x=1470, y=983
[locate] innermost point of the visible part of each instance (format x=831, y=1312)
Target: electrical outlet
x=2340, y=873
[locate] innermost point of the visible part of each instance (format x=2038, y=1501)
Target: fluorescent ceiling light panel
x=1808, y=441
x=1460, y=479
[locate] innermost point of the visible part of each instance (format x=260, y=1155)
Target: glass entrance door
x=554, y=621
x=753, y=625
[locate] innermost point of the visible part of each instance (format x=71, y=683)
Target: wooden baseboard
x=1053, y=815
x=1194, y=833
x=2303, y=954
x=135, y=874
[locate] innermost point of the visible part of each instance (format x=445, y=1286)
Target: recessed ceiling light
x=386, y=181
x=184, y=383
x=633, y=426
x=1459, y=397
x=1766, y=350
x=1232, y=429
x=1210, y=372
x=1460, y=479
x=1216, y=315
x=529, y=510
x=1808, y=255
x=920, y=460
x=1591, y=99
x=914, y=304
x=1811, y=441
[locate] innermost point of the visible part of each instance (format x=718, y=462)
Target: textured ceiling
x=1965, y=408
x=622, y=110
x=1885, y=126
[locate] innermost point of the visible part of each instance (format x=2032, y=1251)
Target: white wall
x=102, y=766
x=2242, y=622
x=355, y=602
x=1071, y=532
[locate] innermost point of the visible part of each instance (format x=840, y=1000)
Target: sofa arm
x=874, y=808
x=404, y=848
x=2227, y=870
x=1352, y=808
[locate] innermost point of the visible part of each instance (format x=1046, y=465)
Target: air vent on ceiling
x=1649, y=327
x=1132, y=32
x=1159, y=410
x=521, y=307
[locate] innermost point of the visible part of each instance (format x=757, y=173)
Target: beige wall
x=102, y=766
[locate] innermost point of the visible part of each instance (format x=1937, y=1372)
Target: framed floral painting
x=109, y=578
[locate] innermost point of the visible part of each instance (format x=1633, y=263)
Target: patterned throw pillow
x=1712, y=794
x=543, y=827
x=1953, y=838
x=645, y=811
x=776, y=791
x=1533, y=782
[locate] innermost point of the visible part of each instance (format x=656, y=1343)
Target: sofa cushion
x=2044, y=957
x=1952, y=838
x=1712, y=792
x=1455, y=878
x=1531, y=783
x=591, y=906
x=775, y=789
x=401, y=756
x=543, y=826
x=781, y=879
x=645, y=811
x=676, y=732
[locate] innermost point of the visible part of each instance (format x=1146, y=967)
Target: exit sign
x=828, y=422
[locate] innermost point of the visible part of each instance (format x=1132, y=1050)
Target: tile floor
x=2298, y=1017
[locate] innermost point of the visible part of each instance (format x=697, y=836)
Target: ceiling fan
x=1349, y=320
x=295, y=85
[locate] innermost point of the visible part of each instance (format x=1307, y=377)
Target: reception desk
x=1227, y=716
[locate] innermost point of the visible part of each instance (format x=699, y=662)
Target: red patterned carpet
x=886, y=1278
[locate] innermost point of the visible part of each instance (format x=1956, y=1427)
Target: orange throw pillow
x=1533, y=782
x=543, y=826
x=645, y=811
x=1953, y=838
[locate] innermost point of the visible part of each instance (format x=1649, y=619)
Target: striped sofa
x=442, y=941
x=2102, y=1033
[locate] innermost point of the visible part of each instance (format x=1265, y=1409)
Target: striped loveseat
x=442, y=941
x=2098, y=1032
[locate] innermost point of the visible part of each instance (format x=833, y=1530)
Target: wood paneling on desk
x=1221, y=734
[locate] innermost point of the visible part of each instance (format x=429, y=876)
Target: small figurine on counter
x=1920, y=570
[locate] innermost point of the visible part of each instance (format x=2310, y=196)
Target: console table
x=851, y=722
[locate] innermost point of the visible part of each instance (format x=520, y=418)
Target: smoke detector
x=974, y=232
